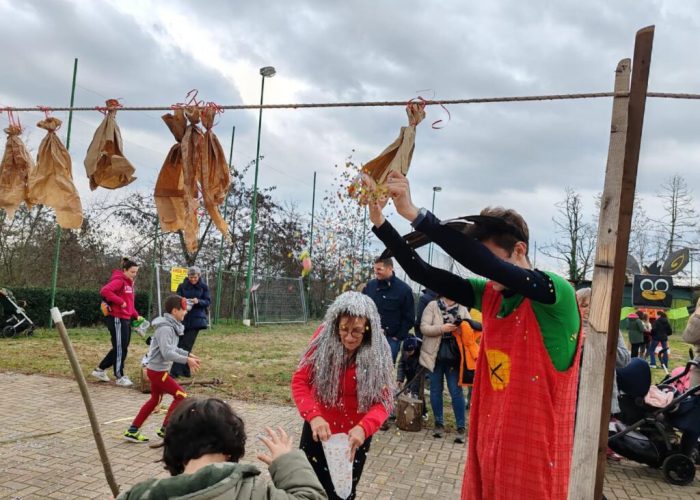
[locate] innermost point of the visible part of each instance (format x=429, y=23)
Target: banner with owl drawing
x=652, y=290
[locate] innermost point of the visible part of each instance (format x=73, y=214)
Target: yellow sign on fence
x=177, y=276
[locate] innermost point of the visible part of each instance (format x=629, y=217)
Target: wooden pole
x=80, y=378
x=593, y=415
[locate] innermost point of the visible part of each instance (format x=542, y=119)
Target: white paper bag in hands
x=337, y=451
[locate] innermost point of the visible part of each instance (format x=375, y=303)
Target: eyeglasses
x=357, y=332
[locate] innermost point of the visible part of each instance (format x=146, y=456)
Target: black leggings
x=636, y=348
x=314, y=452
x=120, y=333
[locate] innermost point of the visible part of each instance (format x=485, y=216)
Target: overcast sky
x=521, y=155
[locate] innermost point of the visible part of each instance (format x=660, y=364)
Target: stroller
x=650, y=435
x=14, y=319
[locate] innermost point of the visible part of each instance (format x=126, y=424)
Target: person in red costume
x=119, y=294
x=344, y=384
x=521, y=422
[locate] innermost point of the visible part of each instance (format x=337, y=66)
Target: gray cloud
x=523, y=153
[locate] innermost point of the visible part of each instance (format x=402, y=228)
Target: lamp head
x=437, y=189
x=267, y=72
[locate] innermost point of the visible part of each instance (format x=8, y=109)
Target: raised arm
x=442, y=282
x=469, y=252
x=473, y=255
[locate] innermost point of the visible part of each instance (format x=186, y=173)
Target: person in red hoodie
x=344, y=384
x=119, y=295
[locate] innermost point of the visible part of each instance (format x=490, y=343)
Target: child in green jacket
x=203, y=443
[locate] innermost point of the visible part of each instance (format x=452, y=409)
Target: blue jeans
x=395, y=347
x=663, y=355
x=451, y=373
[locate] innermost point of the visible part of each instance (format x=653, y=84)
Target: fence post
x=59, y=232
x=217, y=303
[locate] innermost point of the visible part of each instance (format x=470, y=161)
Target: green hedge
x=86, y=304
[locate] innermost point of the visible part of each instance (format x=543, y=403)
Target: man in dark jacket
x=394, y=300
x=197, y=294
x=660, y=331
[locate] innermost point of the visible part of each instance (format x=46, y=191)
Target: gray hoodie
x=164, y=350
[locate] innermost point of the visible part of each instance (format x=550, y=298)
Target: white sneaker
x=100, y=375
x=124, y=381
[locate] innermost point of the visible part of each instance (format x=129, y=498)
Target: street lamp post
x=266, y=72
x=436, y=189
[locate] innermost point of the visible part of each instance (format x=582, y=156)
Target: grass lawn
x=253, y=363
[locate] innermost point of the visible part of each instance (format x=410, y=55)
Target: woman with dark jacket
x=197, y=294
x=660, y=331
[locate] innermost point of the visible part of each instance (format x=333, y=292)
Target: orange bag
x=170, y=191
x=215, y=178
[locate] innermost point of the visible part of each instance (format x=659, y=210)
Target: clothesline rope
x=478, y=100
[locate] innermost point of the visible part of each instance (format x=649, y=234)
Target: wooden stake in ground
x=593, y=412
x=57, y=318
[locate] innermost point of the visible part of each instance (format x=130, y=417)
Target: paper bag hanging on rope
x=16, y=167
x=215, y=178
x=169, y=192
x=51, y=184
x=104, y=162
x=400, y=152
x=192, y=143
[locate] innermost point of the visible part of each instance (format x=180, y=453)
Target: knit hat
x=194, y=270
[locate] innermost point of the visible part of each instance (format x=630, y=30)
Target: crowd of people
x=521, y=360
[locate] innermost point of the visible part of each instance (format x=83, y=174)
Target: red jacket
x=117, y=291
x=341, y=418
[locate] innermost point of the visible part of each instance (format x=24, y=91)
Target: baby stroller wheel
x=8, y=332
x=678, y=469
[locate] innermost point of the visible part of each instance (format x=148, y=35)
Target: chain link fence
x=274, y=299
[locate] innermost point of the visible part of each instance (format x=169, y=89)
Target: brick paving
x=47, y=450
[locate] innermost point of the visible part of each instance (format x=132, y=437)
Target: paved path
x=47, y=451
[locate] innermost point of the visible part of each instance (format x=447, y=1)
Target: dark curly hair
x=200, y=426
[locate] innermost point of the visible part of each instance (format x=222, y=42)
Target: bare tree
x=678, y=225
x=576, y=242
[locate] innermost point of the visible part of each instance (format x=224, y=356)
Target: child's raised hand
x=278, y=442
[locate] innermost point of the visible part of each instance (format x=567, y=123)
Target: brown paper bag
x=51, y=183
x=215, y=177
x=105, y=163
x=400, y=152
x=15, y=168
x=170, y=191
x=192, y=144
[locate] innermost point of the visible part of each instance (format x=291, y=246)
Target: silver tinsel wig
x=327, y=359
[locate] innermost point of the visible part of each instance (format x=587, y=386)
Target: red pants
x=161, y=383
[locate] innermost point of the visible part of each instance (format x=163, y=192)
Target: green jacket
x=635, y=330
x=292, y=478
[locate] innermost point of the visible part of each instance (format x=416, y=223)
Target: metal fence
x=274, y=299
x=279, y=300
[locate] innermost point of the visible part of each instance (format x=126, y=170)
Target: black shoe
x=438, y=431
x=461, y=431
x=385, y=426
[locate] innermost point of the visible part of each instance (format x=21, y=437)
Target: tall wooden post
x=598, y=370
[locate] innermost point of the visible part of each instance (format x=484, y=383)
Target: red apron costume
x=521, y=424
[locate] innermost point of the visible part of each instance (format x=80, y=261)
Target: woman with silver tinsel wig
x=344, y=383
